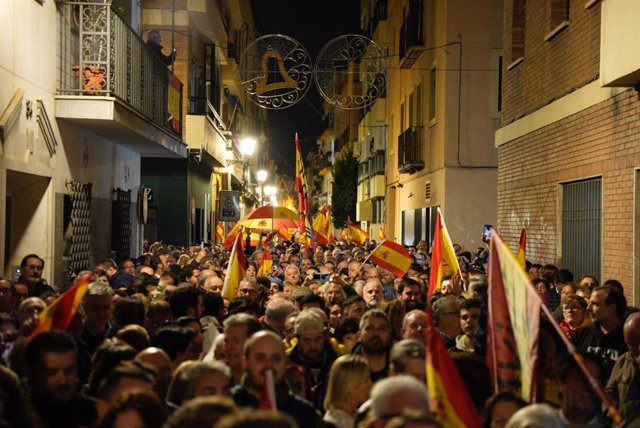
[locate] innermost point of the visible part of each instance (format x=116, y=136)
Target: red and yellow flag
x=356, y=234
x=219, y=232
x=58, y=315
x=521, y=254
x=383, y=235
x=513, y=322
x=236, y=269
x=322, y=228
x=304, y=225
x=392, y=257
x=443, y=257
x=265, y=264
x=449, y=398
x=237, y=229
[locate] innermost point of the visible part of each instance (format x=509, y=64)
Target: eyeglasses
x=247, y=290
x=571, y=309
x=34, y=267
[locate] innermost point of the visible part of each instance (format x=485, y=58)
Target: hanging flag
x=443, y=257
x=266, y=263
x=356, y=234
x=268, y=393
x=219, y=232
x=449, y=398
x=58, y=315
x=304, y=225
x=383, y=235
x=392, y=257
x=236, y=269
x=513, y=322
x=521, y=254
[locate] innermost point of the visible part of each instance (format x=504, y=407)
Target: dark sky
x=313, y=23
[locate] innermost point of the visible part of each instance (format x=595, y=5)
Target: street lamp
x=270, y=191
x=247, y=146
x=261, y=176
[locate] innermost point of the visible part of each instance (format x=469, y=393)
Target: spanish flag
x=219, y=232
x=443, y=257
x=392, y=257
x=58, y=315
x=383, y=235
x=356, y=234
x=236, y=270
x=265, y=264
x=513, y=322
x=521, y=254
x=322, y=230
x=449, y=398
x=237, y=229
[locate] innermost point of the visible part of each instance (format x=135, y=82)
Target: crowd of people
x=342, y=341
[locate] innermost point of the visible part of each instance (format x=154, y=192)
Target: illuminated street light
x=261, y=176
x=247, y=146
x=270, y=190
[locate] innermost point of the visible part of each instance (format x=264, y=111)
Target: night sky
x=313, y=23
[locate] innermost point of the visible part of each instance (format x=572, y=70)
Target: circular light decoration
x=275, y=71
x=351, y=71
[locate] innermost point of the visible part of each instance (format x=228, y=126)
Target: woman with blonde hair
x=348, y=387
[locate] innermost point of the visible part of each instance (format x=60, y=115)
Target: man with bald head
x=264, y=351
x=160, y=362
x=624, y=384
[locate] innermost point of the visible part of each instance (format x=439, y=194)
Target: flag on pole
x=443, y=257
x=236, y=269
x=513, y=322
x=58, y=315
x=521, y=254
x=237, y=229
x=449, y=398
x=392, y=257
x=266, y=263
x=303, y=201
x=219, y=232
x=383, y=235
x=356, y=234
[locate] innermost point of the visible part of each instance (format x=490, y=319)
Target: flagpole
x=611, y=408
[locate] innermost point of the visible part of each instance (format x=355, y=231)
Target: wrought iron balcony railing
x=410, y=150
x=102, y=56
x=411, y=34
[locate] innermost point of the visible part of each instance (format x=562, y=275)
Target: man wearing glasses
x=31, y=268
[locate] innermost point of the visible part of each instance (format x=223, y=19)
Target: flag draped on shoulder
x=58, y=315
x=355, y=234
x=449, y=398
x=303, y=200
x=236, y=270
x=392, y=257
x=521, y=254
x=322, y=227
x=513, y=322
x=443, y=257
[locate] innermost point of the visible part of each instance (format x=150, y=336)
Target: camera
x=322, y=277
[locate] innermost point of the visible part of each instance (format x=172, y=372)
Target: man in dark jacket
x=154, y=41
x=263, y=352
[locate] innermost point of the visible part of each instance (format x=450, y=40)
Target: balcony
x=206, y=138
x=410, y=150
x=112, y=84
x=412, y=35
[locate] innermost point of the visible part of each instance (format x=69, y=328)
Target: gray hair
x=373, y=313
x=358, y=286
x=99, y=289
x=383, y=391
x=445, y=304
x=279, y=308
x=402, y=351
x=242, y=319
x=535, y=415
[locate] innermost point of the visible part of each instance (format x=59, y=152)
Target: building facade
x=569, y=148
x=442, y=109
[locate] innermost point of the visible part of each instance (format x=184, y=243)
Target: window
x=418, y=120
x=377, y=210
x=518, y=29
x=559, y=12
x=582, y=226
x=418, y=224
x=496, y=83
x=432, y=95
